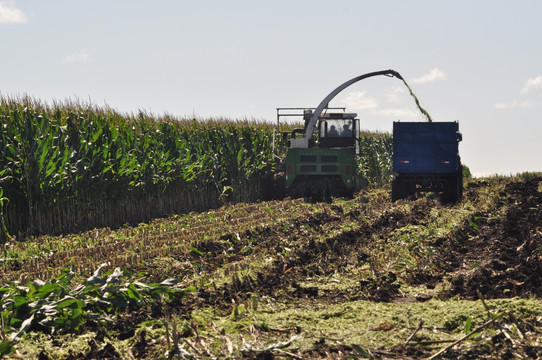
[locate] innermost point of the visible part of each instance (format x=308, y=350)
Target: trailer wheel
x=460, y=183
x=449, y=194
x=410, y=188
x=453, y=188
x=397, y=189
x=401, y=188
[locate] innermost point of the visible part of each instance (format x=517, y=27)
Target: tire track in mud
x=319, y=245
x=354, y=249
x=499, y=253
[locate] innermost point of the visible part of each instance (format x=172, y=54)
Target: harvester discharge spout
x=309, y=129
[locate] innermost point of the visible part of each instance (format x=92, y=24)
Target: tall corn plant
x=74, y=166
x=375, y=166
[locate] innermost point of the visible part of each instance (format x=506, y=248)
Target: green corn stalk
x=375, y=162
x=4, y=234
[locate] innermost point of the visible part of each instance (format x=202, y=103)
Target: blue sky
x=478, y=62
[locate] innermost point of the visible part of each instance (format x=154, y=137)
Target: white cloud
x=532, y=84
x=80, y=57
x=395, y=94
x=514, y=104
x=432, y=75
x=358, y=100
x=397, y=113
x=11, y=15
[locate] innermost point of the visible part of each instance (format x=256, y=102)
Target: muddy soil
x=502, y=249
x=496, y=254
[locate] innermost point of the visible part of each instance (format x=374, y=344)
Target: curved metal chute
x=324, y=104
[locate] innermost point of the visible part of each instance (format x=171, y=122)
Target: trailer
x=426, y=158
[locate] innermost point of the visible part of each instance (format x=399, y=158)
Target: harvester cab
x=339, y=130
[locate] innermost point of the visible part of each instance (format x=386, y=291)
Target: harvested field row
x=357, y=278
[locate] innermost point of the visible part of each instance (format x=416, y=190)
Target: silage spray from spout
x=418, y=102
x=397, y=75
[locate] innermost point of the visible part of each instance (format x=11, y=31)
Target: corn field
x=70, y=166
x=375, y=166
x=73, y=166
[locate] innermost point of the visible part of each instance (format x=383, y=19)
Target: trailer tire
x=397, y=189
x=394, y=191
x=460, y=183
x=402, y=188
x=453, y=188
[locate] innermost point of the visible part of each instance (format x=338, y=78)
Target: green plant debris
x=366, y=277
x=364, y=323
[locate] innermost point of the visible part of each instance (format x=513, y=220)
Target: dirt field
x=363, y=278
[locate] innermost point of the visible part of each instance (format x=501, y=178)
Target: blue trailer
x=426, y=158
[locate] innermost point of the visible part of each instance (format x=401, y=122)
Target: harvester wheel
x=321, y=192
x=316, y=197
x=326, y=192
